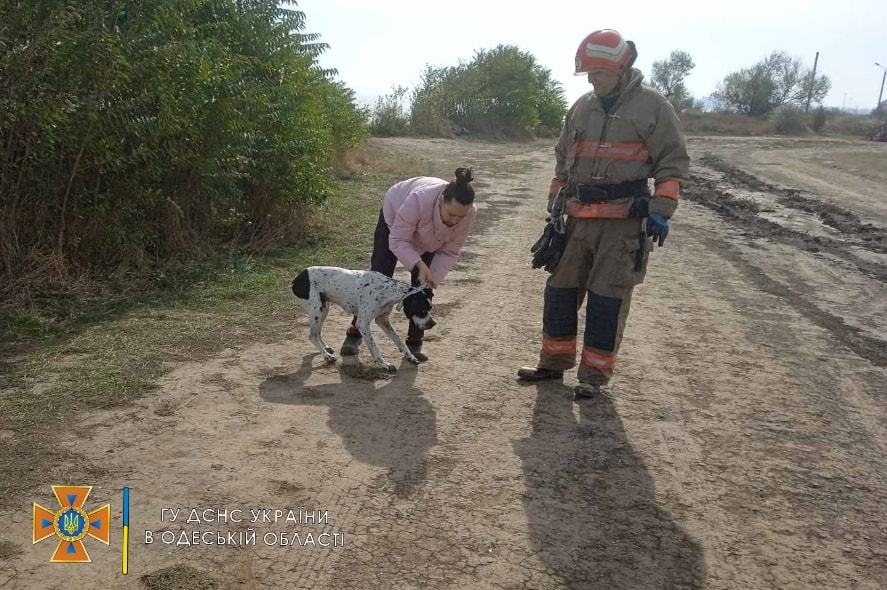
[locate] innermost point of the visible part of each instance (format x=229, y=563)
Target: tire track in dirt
x=848, y=223
x=718, y=194
x=777, y=430
x=742, y=213
x=868, y=347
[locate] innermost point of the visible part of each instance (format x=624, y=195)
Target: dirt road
x=742, y=444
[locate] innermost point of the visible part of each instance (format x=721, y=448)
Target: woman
x=423, y=223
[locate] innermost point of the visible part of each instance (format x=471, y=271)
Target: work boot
x=416, y=349
x=538, y=374
x=350, y=346
x=586, y=390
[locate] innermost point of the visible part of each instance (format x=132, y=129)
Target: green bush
x=389, y=118
x=135, y=133
x=789, y=121
x=502, y=91
x=819, y=119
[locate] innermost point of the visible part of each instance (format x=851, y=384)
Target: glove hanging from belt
x=548, y=249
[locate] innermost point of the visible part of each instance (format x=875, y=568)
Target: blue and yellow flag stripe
x=125, y=531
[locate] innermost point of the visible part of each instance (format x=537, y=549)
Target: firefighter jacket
x=640, y=138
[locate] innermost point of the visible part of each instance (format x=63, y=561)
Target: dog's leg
x=384, y=322
x=317, y=312
x=324, y=313
x=364, y=325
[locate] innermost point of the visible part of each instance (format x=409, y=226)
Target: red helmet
x=605, y=50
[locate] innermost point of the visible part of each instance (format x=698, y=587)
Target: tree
x=778, y=80
x=502, y=90
x=144, y=132
x=668, y=78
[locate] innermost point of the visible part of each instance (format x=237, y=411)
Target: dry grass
x=179, y=577
x=366, y=372
x=724, y=124
x=854, y=126
x=166, y=408
x=735, y=124
x=8, y=550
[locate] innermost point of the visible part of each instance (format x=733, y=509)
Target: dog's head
x=417, y=307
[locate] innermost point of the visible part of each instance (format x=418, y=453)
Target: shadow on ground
x=391, y=426
x=591, y=506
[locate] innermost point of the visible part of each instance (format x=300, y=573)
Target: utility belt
x=600, y=193
x=597, y=200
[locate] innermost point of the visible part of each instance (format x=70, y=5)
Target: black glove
x=548, y=249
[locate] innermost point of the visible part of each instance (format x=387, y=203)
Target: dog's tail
x=302, y=285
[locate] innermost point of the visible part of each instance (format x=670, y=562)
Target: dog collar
x=412, y=291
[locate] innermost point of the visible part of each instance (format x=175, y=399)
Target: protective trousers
x=599, y=259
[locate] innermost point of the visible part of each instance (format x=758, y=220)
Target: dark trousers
x=384, y=261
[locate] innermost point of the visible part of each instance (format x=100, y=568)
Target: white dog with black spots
x=366, y=294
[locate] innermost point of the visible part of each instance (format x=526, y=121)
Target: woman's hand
x=425, y=275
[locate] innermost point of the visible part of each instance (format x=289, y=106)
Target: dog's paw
x=413, y=360
x=329, y=358
x=330, y=350
x=388, y=367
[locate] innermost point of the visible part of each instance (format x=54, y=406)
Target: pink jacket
x=411, y=210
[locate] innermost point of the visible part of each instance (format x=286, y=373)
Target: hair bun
x=463, y=175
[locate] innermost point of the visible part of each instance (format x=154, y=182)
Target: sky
x=377, y=45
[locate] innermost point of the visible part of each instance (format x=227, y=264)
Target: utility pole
x=881, y=94
x=812, y=81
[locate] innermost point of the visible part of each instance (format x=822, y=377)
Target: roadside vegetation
x=501, y=92
x=138, y=140
x=778, y=95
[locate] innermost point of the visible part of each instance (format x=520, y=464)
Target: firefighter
x=614, y=139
